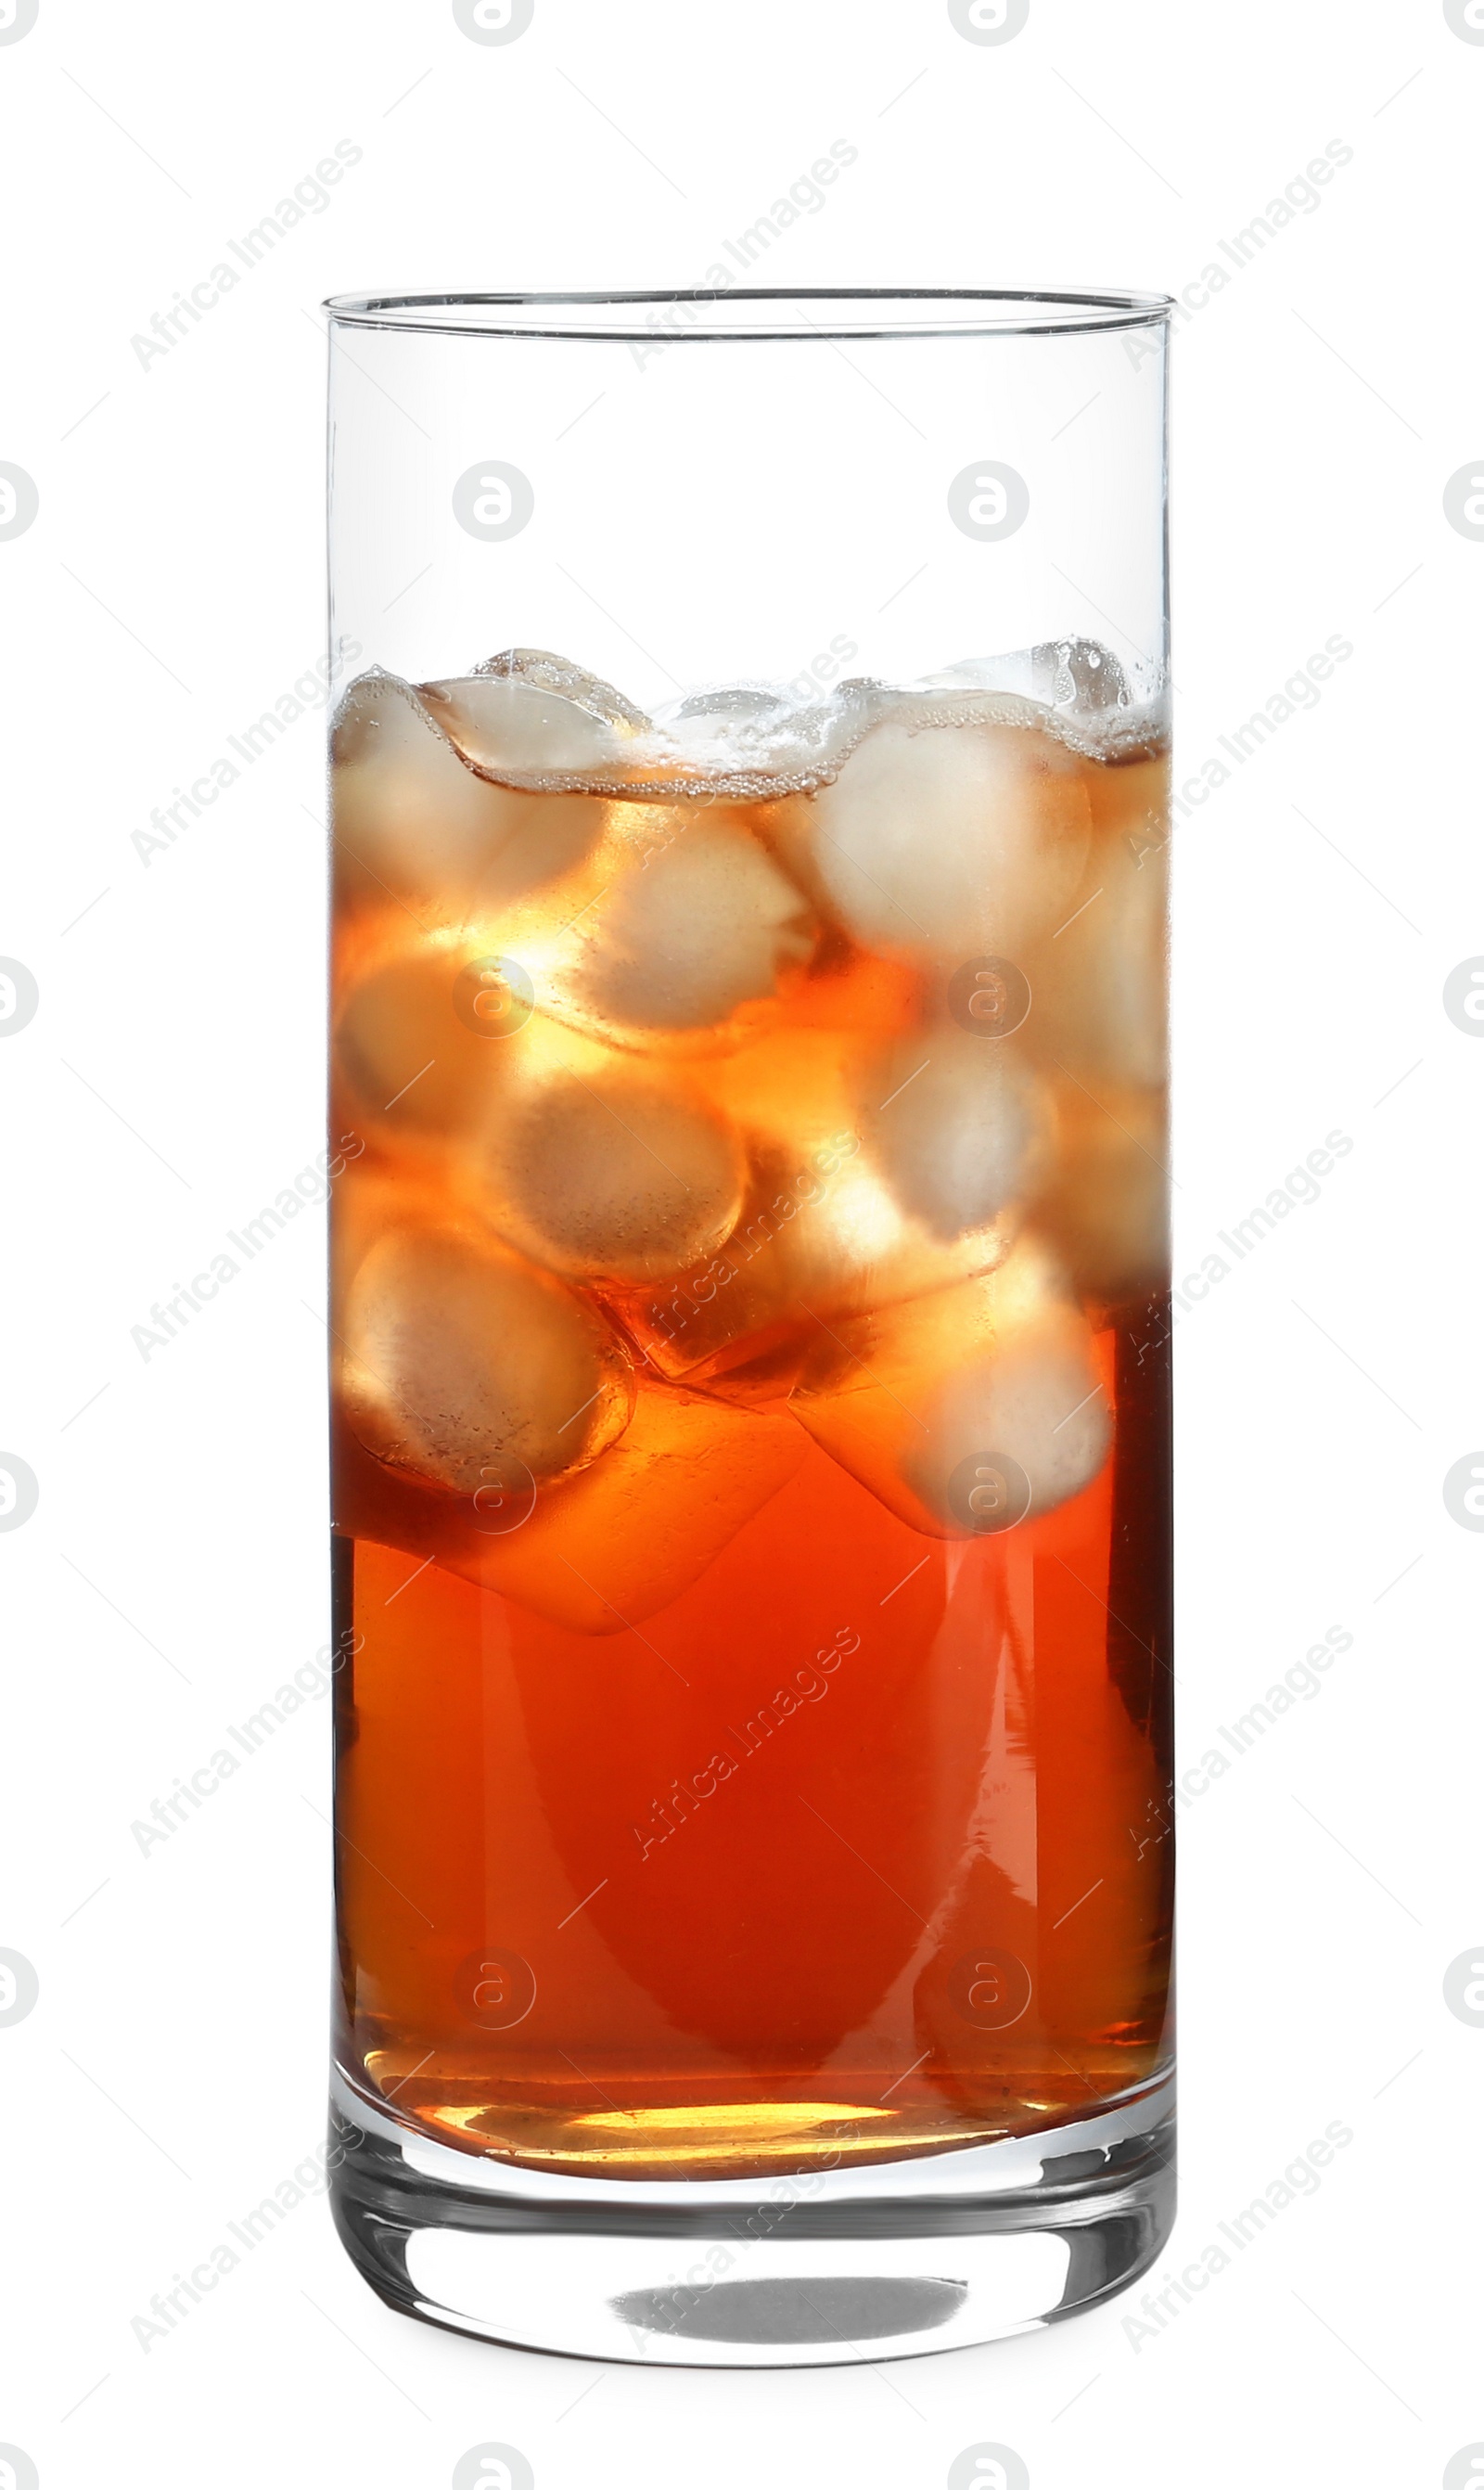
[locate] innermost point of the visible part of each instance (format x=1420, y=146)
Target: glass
x=752, y=1552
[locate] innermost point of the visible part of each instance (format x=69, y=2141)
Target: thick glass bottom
x=882, y=2262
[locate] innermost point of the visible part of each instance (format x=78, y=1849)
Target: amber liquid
x=855, y=1847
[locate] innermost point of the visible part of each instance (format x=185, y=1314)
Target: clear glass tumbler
x=751, y=1329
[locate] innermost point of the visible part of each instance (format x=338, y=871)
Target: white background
x=172, y=1575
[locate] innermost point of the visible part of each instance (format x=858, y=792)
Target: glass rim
x=876, y=313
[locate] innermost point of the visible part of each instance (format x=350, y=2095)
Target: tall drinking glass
x=751, y=1544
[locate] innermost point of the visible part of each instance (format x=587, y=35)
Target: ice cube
x=822, y=1229
x=415, y=1063
x=967, y=1411
x=1080, y=675
x=786, y=826
x=948, y=835
x=694, y=920
x=602, y=1167
x=1099, y=979
x=595, y=1162
x=1105, y=1204
x=522, y=730
x=549, y=673
x=415, y=827
x=956, y=1123
x=456, y=1357
x=617, y=1543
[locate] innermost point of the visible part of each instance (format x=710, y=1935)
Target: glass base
x=880, y=2263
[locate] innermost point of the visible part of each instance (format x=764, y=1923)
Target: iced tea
x=751, y=1430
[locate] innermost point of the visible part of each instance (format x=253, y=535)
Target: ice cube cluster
x=683, y=1156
